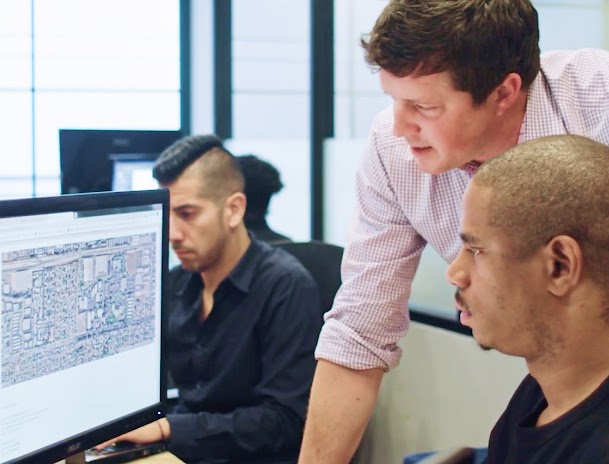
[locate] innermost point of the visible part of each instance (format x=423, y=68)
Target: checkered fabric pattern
x=400, y=209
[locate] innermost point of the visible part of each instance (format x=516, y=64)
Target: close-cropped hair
x=557, y=185
x=262, y=181
x=213, y=164
x=478, y=42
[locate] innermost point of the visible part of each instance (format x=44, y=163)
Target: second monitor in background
x=85, y=154
x=133, y=171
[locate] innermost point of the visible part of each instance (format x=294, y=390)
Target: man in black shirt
x=533, y=281
x=243, y=323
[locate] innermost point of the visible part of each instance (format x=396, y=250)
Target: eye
x=186, y=215
x=474, y=251
x=424, y=108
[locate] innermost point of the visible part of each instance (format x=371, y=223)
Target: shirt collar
x=471, y=167
x=243, y=273
x=241, y=276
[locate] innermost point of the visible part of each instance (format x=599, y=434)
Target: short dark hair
x=217, y=168
x=479, y=42
x=550, y=186
x=262, y=181
x=174, y=160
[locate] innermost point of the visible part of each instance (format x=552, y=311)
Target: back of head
x=552, y=186
x=479, y=42
x=216, y=167
x=262, y=181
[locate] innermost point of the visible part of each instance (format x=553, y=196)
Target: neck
x=507, y=131
x=573, y=372
x=234, y=249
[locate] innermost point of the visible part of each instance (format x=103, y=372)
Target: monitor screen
x=85, y=154
x=81, y=320
x=133, y=171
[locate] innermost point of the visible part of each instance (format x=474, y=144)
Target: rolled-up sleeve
x=370, y=314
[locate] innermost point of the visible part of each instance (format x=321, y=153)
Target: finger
x=108, y=443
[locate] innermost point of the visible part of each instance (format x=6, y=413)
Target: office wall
x=446, y=392
x=67, y=64
x=271, y=110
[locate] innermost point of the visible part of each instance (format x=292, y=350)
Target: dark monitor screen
x=84, y=154
x=81, y=320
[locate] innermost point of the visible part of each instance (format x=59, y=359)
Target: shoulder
x=277, y=265
x=526, y=397
x=527, y=390
x=584, y=69
x=557, y=61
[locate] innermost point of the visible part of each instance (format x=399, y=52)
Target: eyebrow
x=184, y=207
x=469, y=239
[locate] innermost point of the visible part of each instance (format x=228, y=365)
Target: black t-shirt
x=580, y=436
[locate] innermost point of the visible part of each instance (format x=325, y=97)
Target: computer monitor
x=133, y=171
x=81, y=320
x=84, y=154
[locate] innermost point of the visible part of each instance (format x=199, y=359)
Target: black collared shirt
x=244, y=373
x=263, y=232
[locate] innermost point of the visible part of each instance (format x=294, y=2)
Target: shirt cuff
x=342, y=345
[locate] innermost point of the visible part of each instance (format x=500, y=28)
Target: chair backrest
x=322, y=260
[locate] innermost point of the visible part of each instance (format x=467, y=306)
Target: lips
x=465, y=314
x=419, y=150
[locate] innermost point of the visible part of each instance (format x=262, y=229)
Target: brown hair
x=479, y=42
x=552, y=186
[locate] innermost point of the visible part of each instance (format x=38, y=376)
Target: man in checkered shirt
x=467, y=83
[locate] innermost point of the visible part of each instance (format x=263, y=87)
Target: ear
x=507, y=93
x=564, y=265
x=235, y=209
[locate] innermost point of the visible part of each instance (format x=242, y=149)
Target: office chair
x=322, y=260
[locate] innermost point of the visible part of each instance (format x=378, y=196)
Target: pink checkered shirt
x=400, y=209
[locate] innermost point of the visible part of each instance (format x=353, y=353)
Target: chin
x=190, y=266
x=433, y=168
x=484, y=347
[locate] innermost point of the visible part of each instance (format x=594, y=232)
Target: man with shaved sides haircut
x=532, y=280
x=243, y=321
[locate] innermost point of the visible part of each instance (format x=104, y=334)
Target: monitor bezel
x=87, y=202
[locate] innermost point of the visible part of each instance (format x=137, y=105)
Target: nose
x=175, y=235
x=457, y=273
x=404, y=124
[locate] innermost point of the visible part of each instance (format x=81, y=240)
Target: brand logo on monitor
x=75, y=447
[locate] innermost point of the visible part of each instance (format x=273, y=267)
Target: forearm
x=265, y=429
x=341, y=404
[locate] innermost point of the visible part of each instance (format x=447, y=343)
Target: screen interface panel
x=79, y=322
x=133, y=175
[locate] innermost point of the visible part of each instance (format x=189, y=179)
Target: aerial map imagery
x=73, y=303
